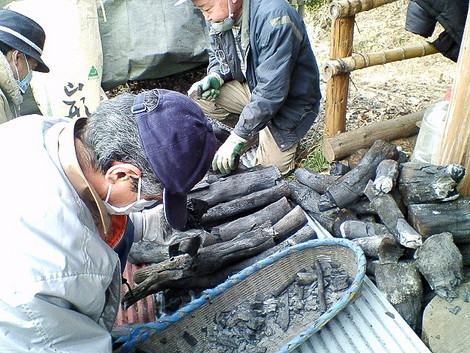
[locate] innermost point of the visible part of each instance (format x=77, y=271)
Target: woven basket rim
x=150, y=329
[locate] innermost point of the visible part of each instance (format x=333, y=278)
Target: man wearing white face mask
x=21, y=45
x=69, y=186
x=262, y=79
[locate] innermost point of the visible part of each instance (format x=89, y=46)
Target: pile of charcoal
x=249, y=326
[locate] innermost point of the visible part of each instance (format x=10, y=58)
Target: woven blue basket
x=186, y=330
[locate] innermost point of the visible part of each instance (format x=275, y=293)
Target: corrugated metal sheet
x=143, y=310
x=368, y=325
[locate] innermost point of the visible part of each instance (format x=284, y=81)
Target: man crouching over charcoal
x=68, y=187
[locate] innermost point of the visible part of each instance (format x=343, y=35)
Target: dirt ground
x=385, y=91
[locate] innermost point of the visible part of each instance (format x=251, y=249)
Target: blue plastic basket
x=186, y=330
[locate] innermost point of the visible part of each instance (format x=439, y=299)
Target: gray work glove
x=151, y=225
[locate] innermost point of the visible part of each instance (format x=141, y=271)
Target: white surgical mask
x=135, y=206
x=226, y=24
x=24, y=83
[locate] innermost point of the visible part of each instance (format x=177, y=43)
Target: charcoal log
x=308, y=199
x=145, y=252
x=434, y=218
x=402, y=286
x=237, y=185
x=317, y=181
x=362, y=207
x=426, y=183
x=214, y=257
x=289, y=224
x=354, y=158
x=352, y=229
x=374, y=239
x=155, y=278
x=242, y=206
x=382, y=247
x=213, y=279
x=392, y=217
x=386, y=175
x=349, y=188
x=440, y=262
x=465, y=251
x=272, y=213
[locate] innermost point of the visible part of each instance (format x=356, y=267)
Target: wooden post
x=342, y=30
x=455, y=144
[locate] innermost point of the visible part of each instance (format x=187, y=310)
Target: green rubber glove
x=208, y=88
x=224, y=159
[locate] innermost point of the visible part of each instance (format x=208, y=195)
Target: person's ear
x=121, y=171
x=15, y=56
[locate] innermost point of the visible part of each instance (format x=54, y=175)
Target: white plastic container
x=430, y=132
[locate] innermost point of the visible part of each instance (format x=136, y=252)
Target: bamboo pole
x=455, y=146
x=348, y=8
x=342, y=31
x=361, y=61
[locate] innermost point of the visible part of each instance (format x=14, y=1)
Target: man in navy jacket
x=262, y=78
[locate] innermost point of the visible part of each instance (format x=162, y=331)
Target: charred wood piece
x=214, y=257
x=374, y=239
x=316, y=181
x=402, y=286
x=352, y=229
x=308, y=199
x=213, y=279
x=244, y=205
x=382, y=247
x=386, y=175
x=237, y=185
x=272, y=213
x=154, y=278
x=426, y=183
x=392, y=217
x=321, y=287
x=349, y=188
x=187, y=245
x=289, y=224
x=440, y=262
x=434, y=218
x=196, y=209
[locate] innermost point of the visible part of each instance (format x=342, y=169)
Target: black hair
x=5, y=48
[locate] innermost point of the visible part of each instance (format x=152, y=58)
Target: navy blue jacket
x=421, y=18
x=281, y=71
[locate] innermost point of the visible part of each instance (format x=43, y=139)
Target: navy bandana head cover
x=179, y=144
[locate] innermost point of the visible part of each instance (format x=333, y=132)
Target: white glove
x=151, y=225
x=224, y=159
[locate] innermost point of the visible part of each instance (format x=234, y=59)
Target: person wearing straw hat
x=21, y=44
x=262, y=79
x=68, y=188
